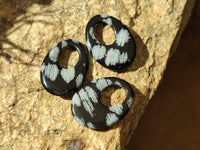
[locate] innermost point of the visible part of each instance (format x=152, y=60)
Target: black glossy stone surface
x=88, y=109
x=118, y=55
x=60, y=81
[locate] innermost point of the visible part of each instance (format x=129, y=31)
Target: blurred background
x=172, y=118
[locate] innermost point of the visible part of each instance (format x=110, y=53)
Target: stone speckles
x=68, y=74
x=130, y=102
x=75, y=41
x=42, y=67
x=92, y=33
x=117, y=109
x=111, y=118
x=122, y=37
x=101, y=84
x=92, y=94
x=98, y=51
x=118, y=83
x=90, y=125
x=53, y=54
x=88, y=107
x=51, y=71
x=80, y=120
x=112, y=57
x=104, y=16
x=108, y=21
x=123, y=58
x=109, y=81
x=76, y=100
x=79, y=80
x=64, y=44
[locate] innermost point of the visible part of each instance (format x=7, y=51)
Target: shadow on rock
x=8, y=17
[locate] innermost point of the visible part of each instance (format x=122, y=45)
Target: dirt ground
x=172, y=118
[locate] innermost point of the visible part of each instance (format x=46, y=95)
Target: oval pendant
x=118, y=55
x=60, y=81
x=88, y=109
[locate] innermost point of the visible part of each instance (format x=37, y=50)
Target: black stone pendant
x=60, y=81
x=88, y=110
x=118, y=55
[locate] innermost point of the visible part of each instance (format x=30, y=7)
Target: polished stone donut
x=60, y=81
x=118, y=55
x=88, y=109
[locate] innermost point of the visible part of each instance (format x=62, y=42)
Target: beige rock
x=31, y=118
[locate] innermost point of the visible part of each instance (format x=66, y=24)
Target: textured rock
x=31, y=118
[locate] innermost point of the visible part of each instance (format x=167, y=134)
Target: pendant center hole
x=68, y=58
x=104, y=33
x=113, y=96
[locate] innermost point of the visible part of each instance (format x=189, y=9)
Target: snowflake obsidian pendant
x=88, y=109
x=118, y=55
x=60, y=81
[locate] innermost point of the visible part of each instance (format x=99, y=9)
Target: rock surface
x=31, y=118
